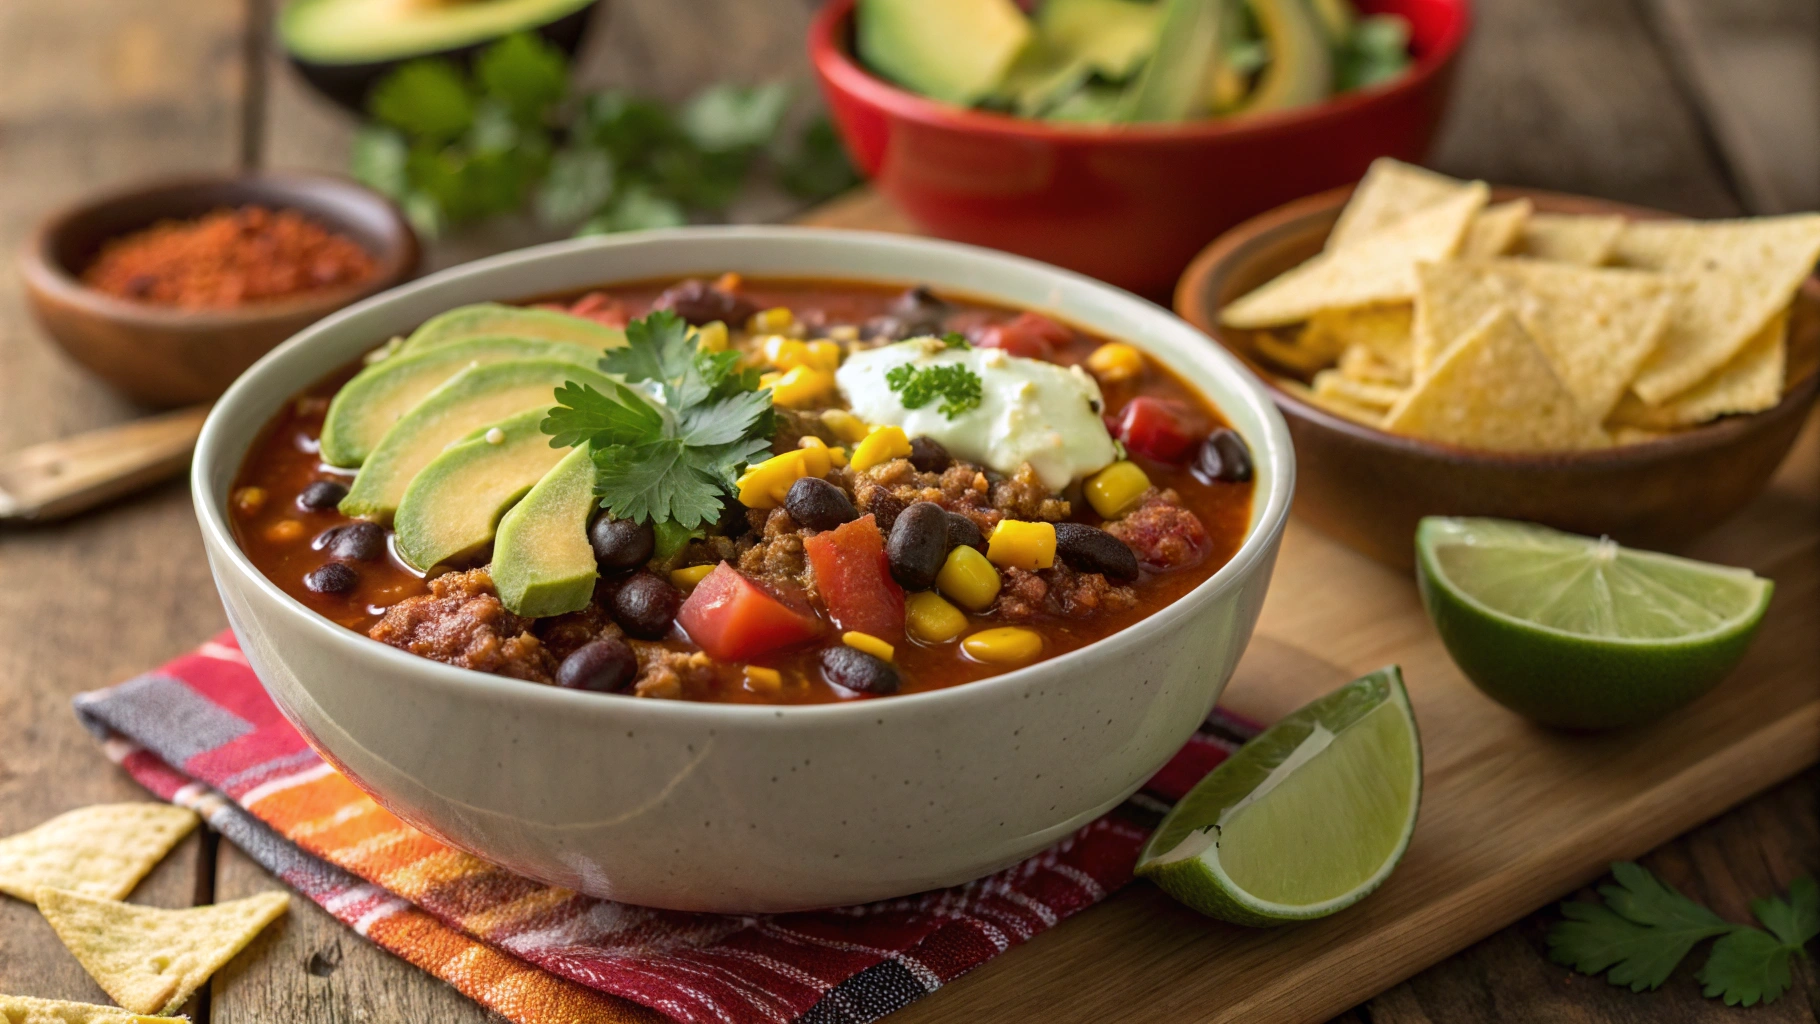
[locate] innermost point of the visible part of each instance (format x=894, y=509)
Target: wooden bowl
x=1368, y=488
x=163, y=356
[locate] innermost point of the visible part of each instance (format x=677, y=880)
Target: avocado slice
x=1113, y=37
x=952, y=50
x=467, y=402
x=452, y=506
x=1173, y=85
x=367, y=406
x=1300, y=71
x=542, y=562
x=490, y=319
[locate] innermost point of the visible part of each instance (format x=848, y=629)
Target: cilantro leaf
x=635, y=209
x=957, y=387
x=723, y=421
x=427, y=99
x=1795, y=922
x=584, y=415
x=818, y=168
x=377, y=158
x=525, y=73
x=1746, y=967
x=1642, y=932
x=724, y=117
x=580, y=180
x=658, y=348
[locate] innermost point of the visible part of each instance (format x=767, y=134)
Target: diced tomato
x=854, y=578
x=736, y=618
x=1031, y=335
x=1158, y=428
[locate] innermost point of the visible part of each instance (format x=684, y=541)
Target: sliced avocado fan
x=1190, y=42
x=451, y=508
x=491, y=319
x=542, y=562
x=952, y=50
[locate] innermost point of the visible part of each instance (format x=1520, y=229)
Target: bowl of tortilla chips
x=1441, y=347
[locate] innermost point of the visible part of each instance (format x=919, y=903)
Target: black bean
x=321, y=494
x=918, y=545
x=962, y=530
x=733, y=521
x=857, y=670
x=1091, y=549
x=645, y=606
x=332, y=578
x=354, y=542
x=1224, y=457
x=699, y=302
x=920, y=308
x=818, y=504
x=928, y=455
x=602, y=666
x=884, y=507
x=621, y=544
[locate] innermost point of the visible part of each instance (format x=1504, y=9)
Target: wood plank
x=1753, y=66
x=92, y=93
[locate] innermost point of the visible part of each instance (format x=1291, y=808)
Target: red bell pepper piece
x=1158, y=428
x=1031, y=335
x=854, y=578
x=735, y=618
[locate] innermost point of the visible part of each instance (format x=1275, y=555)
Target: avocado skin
x=349, y=85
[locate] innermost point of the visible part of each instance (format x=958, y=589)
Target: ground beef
x=668, y=674
x=1059, y=592
x=565, y=634
x=1162, y=533
x=776, y=551
x=461, y=622
x=890, y=487
x=1025, y=496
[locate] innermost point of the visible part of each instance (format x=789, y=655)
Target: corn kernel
x=1006, y=645
x=1016, y=544
x=870, y=644
x=249, y=500
x=764, y=484
x=760, y=679
x=1116, y=361
x=932, y=619
x=783, y=353
x=284, y=531
x=689, y=575
x=968, y=579
x=775, y=320
x=846, y=426
x=844, y=332
x=800, y=387
x=711, y=336
x=817, y=458
x=880, y=446
x=822, y=355
x=839, y=457
x=1113, y=490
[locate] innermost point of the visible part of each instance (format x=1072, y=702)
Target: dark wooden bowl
x=164, y=356
x=1368, y=488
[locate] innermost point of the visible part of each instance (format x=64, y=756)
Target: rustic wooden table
x=1698, y=107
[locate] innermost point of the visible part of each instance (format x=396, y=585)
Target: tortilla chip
x=1376, y=269
x=1495, y=390
x=150, y=959
x=1560, y=238
x=1338, y=406
x=1622, y=435
x=1741, y=273
x=26, y=1010
x=1385, y=329
x=1292, y=354
x=1390, y=191
x=1496, y=230
x=1751, y=382
x=1360, y=363
x=98, y=851
x=1597, y=326
x=1334, y=384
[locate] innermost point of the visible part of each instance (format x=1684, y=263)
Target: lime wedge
x=1306, y=819
x=1581, y=633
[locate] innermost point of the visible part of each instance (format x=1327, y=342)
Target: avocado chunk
x=490, y=319
x=451, y=508
x=367, y=406
x=1190, y=40
x=542, y=562
x=1112, y=37
x=1300, y=71
x=467, y=402
x=952, y=50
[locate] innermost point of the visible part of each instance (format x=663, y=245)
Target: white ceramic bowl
x=735, y=808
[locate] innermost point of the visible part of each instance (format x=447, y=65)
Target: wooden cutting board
x=1513, y=816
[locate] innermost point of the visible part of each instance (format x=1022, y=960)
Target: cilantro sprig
x=671, y=462
x=1644, y=929
x=957, y=387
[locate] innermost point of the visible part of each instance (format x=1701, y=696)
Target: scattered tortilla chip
x=1376, y=269
x=1496, y=230
x=1495, y=390
x=1562, y=238
x=1597, y=326
x=1740, y=272
x=1338, y=406
x=26, y=1010
x=1334, y=384
x=1360, y=363
x=1385, y=329
x=97, y=851
x=1390, y=191
x=150, y=959
x=1751, y=382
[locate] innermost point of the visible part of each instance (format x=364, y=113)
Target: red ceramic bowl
x=1130, y=205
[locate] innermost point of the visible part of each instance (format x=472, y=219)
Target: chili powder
x=226, y=258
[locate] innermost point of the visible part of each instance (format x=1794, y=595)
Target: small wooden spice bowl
x=1368, y=488
x=167, y=356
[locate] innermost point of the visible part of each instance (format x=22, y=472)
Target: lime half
x=1306, y=819
x=1581, y=633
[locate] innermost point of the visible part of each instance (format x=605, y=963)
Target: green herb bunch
x=453, y=146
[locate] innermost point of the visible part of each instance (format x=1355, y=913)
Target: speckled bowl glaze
x=732, y=808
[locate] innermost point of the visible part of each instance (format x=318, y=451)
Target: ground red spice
x=227, y=258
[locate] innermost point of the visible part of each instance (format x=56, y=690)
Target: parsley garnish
x=955, y=339
x=676, y=461
x=1644, y=929
x=957, y=386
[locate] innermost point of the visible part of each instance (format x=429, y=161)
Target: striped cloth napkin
x=201, y=732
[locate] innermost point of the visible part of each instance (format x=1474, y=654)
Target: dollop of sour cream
x=1030, y=410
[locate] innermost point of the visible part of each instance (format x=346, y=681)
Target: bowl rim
x=397, y=259
x=1193, y=304
x=840, y=71
x=1256, y=553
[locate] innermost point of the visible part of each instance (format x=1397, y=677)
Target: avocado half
x=344, y=47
